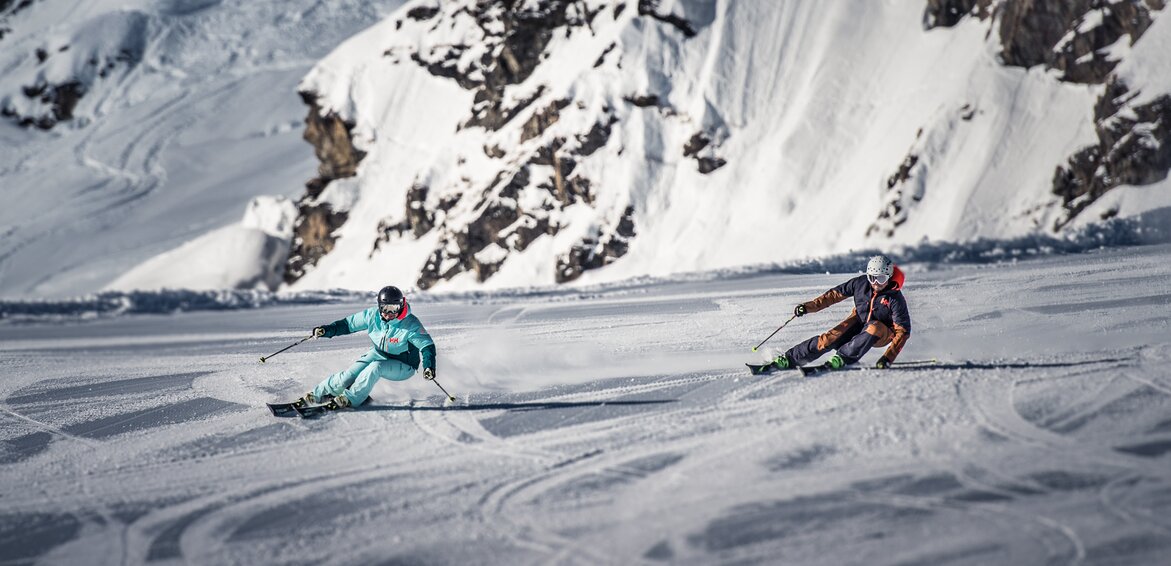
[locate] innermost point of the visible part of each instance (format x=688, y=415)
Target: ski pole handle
x=263, y=358
x=774, y=332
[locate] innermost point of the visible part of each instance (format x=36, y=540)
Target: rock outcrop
x=479, y=226
x=313, y=233
x=9, y=8
x=1076, y=39
x=1072, y=37
x=598, y=249
x=702, y=148
x=1134, y=148
x=55, y=88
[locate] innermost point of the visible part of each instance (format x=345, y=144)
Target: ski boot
x=783, y=362
x=337, y=403
x=305, y=400
x=835, y=362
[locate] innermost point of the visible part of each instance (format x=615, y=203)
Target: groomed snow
x=612, y=427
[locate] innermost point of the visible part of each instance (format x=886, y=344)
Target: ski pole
x=449, y=397
x=774, y=332
x=263, y=358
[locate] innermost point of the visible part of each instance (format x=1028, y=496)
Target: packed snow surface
x=612, y=427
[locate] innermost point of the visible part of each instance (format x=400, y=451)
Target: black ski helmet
x=390, y=301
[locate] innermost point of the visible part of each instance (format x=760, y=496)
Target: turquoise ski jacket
x=403, y=338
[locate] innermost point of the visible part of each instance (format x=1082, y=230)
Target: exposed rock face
x=317, y=221
x=45, y=102
x=1073, y=37
x=651, y=8
x=515, y=34
x=701, y=148
x=8, y=8
x=947, y=13
x=899, y=188
x=478, y=227
x=1134, y=148
x=597, y=250
x=59, y=100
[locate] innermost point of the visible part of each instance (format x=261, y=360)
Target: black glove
x=428, y=374
x=318, y=332
x=799, y=310
x=881, y=364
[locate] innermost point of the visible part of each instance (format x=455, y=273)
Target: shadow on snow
x=521, y=406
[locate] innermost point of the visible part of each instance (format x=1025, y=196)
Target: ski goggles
x=390, y=310
x=878, y=279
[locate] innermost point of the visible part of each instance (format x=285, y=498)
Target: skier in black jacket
x=880, y=317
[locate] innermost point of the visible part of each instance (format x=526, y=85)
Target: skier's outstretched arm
x=827, y=299
x=354, y=323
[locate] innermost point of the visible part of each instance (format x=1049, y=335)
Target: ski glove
x=428, y=374
x=882, y=364
x=799, y=310
x=319, y=332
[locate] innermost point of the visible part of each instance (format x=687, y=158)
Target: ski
x=809, y=371
x=299, y=409
x=769, y=368
x=765, y=369
x=283, y=409
x=761, y=369
x=308, y=411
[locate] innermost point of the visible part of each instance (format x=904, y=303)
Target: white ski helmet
x=879, y=269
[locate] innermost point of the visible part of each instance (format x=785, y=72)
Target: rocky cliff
x=1081, y=41
x=536, y=175
x=62, y=69
x=560, y=137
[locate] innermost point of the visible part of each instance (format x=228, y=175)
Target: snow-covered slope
x=613, y=427
x=130, y=128
x=606, y=139
x=470, y=144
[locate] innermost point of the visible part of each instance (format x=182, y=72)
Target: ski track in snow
x=613, y=428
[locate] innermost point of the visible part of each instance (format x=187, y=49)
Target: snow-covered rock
x=472, y=144
x=514, y=142
x=248, y=255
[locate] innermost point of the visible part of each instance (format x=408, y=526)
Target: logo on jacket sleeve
x=885, y=301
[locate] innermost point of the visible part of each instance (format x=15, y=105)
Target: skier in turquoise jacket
x=399, y=342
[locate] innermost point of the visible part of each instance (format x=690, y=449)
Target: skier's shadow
x=1011, y=365
x=518, y=406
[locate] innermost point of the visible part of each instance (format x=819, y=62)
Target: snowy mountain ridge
x=546, y=142
x=509, y=144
